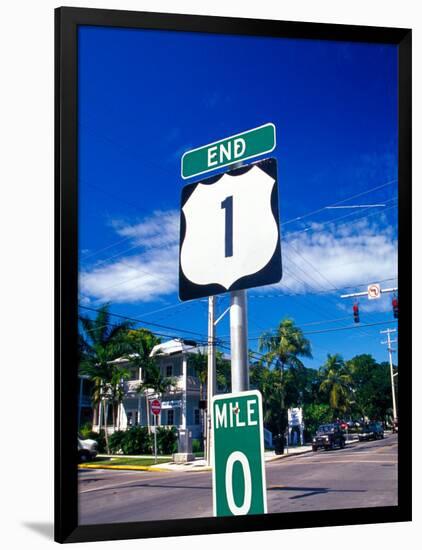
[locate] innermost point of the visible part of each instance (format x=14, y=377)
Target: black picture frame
x=67, y=21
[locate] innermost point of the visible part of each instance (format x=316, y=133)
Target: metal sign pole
x=155, y=438
x=239, y=341
x=211, y=372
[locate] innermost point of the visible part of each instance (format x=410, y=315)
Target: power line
x=277, y=294
x=146, y=322
x=339, y=202
x=311, y=323
x=155, y=333
x=101, y=262
x=334, y=220
x=350, y=328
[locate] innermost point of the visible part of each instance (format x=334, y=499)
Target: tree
x=314, y=415
x=282, y=350
x=223, y=373
x=372, y=385
x=100, y=343
x=336, y=382
x=199, y=362
x=116, y=390
x=141, y=342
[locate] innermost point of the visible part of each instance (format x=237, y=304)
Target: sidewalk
x=199, y=464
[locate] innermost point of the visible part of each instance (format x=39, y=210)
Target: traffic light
x=395, y=304
x=356, y=313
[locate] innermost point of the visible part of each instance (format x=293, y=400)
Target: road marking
x=353, y=454
x=122, y=467
x=349, y=462
x=116, y=484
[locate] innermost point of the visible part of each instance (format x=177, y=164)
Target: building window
x=169, y=370
x=196, y=417
x=170, y=417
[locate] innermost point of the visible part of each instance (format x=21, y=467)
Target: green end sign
x=239, y=486
x=224, y=152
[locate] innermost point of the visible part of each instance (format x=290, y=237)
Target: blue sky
x=145, y=97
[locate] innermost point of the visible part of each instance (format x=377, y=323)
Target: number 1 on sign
x=227, y=205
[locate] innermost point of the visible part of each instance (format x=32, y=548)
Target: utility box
x=184, y=453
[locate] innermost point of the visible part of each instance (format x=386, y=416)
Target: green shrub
x=100, y=439
x=86, y=430
x=115, y=441
x=136, y=441
x=197, y=446
x=166, y=441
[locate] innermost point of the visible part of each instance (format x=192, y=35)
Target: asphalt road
x=362, y=475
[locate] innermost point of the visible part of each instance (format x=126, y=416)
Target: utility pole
x=390, y=331
x=211, y=385
x=239, y=341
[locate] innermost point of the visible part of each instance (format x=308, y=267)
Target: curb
x=122, y=467
x=280, y=457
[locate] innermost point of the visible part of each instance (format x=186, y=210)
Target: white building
x=180, y=406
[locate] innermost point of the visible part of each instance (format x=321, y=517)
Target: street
x=362, y=475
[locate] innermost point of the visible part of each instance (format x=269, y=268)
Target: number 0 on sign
x=238, y=455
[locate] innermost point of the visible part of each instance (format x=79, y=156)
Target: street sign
x=237, y=148
x=374, y=292
x=229, y=232
x=295, y=416
x=155, y=407
x=172, y=404
x=239, y=486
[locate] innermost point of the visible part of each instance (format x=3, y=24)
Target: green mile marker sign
x=239, y=486
x=230, y=150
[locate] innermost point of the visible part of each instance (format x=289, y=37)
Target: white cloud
x=140, y=277
x=159, y=229
x=328, y=257
x=313, y=261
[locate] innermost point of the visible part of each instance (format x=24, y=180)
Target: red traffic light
x=356, y=313
x=395, y=304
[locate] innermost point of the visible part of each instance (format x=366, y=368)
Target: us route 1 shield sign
x=239, y=486
x=229, y=232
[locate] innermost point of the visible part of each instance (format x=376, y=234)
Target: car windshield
x=326, y=428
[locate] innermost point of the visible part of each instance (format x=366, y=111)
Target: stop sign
x=155, y=406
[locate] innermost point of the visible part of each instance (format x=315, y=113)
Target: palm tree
x=100, y=343
x=336, y=382
x=282, y=349
x=142, y=341
x=117, y=391
x=199, y=361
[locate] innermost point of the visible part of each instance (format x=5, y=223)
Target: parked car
x=373, y=430
x=327, y=437
x=87, y=449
